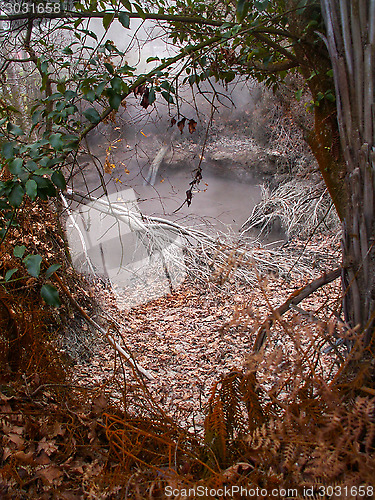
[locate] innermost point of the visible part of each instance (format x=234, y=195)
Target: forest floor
x=72, y=440
x=191, y=337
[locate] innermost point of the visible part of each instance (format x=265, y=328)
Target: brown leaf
x=16, y=439
x=25, y=458
x=139, y=90
x=6, y=453
x=173, y=122
x=99, y=404
x=192, y=126
x=43, y=458
x=70, y=495
x=145, y=102
x=58, y=429
x=48, y=446
x=181, y=124
x=50, y=474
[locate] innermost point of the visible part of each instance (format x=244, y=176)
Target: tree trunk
x=350, y=27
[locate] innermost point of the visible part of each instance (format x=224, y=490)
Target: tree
x=351, y=44
x=214, y=39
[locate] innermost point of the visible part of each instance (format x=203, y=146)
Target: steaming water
x=101, y=244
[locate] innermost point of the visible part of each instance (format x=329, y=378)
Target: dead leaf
x=99, y=404
x=17, y=430
x=48, y=446
x=25, y=458
x=139, y=90
x=50, y=474
x=70, y=495
x=181, y=124
x=16, y=439
x=145, y=103
x=6, y=453
x=58, y=429
x=192, y=126
x=43, y=458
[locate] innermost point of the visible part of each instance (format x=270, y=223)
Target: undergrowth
x=293, y=418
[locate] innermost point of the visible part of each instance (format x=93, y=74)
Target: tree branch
x=273, y=67
x=294, y=299
x=271, y=43
x=100, y=15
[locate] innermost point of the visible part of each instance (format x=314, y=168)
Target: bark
x=350, y=27
x=315, y=65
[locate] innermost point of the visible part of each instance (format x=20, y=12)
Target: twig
x=103, y=331
x=294, y=299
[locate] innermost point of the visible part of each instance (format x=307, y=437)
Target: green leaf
x=330, y=96
x=15, y=166
x=298, y=94
x=52, y=269
x=4, y=205
x=126, y=4
x=61, y=87
x=50, y=295
x=114, y=99
x=89, y=33
x=14, y=130
x=192, y=79
x=32, y=263
x=10, y=273
x=19, y=251
x=150, y=59
x=151, y=96
x=16, y=195
x=109, y=68
x=54, y=161
x=31, y=189
x=107, y=20
x=166, y=85
x=229, y=76
x=59, y=180
x=70, y=94
x=31, y=166
x=68, y=51
x=242, y=9
x=35, y=118
x=43, y=171
x=45, y=187
x=124, y=19
x=56, y=141
x=90, y=95
x=261, y=5
x=116, y=84
x=7, y=150
x=167, y=96
x=140, y=11
x=92, y=115
x=99, y=89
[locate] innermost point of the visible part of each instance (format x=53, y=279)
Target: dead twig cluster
x=296, y=207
